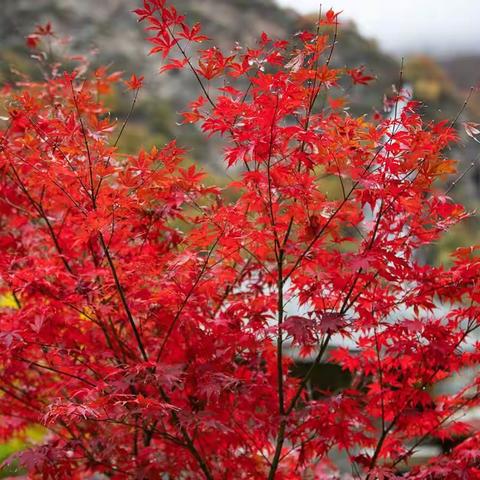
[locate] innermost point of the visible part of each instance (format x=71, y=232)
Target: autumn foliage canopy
x=149, y=329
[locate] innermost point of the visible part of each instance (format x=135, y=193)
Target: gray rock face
x=110, y=26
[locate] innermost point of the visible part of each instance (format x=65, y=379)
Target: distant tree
x=147, y=327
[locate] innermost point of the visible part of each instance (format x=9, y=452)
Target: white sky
x=437, y=27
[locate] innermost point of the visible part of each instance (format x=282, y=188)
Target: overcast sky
x=438, y=27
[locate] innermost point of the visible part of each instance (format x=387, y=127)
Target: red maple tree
x=149, y=329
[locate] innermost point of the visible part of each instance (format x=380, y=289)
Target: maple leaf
x=32, y=40
x=472, y=130
x=134, y=83
x=301, y=329
x=330, y=17
x=330, y=322
x=192, y=34
x=296, y=63
x=8, y=338
x=174, y=64
x=44, y=30
x=358, y=77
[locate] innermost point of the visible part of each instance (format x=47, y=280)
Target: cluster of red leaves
x=33, y=40
x=150, y=333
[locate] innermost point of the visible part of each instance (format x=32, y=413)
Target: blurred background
x=439, y=40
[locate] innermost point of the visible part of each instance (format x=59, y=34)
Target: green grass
x=33, y=434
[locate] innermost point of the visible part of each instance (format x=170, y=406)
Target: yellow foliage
x=446, y=167
x=87, y=314
x=8, y=301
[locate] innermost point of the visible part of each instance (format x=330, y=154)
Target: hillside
x=464, y=70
